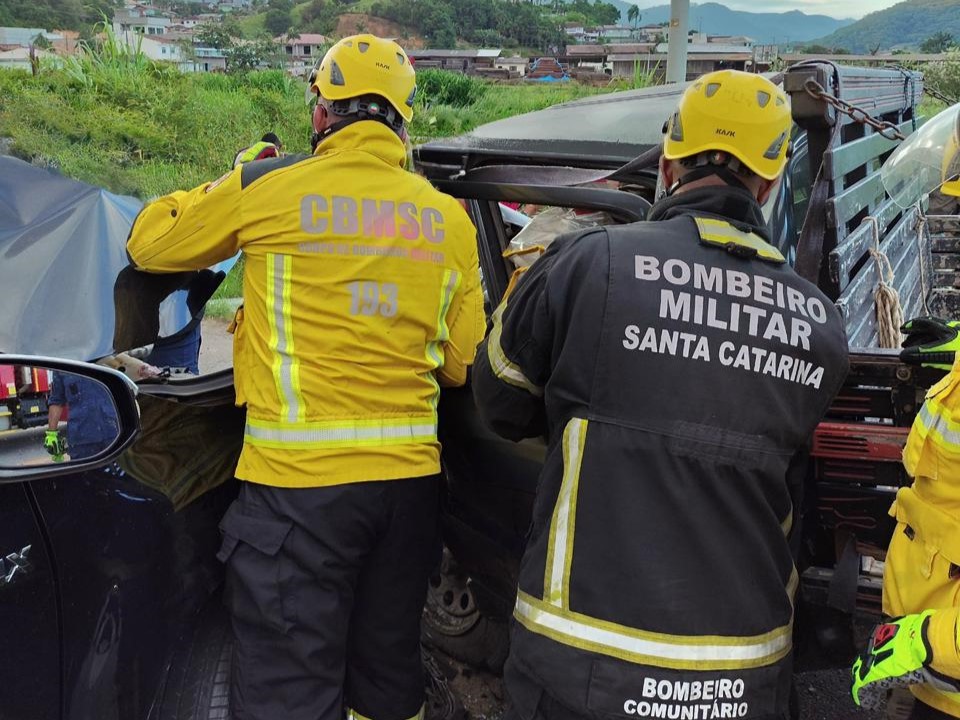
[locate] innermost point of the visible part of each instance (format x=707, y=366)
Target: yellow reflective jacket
x=361, y=291
x=922, y=570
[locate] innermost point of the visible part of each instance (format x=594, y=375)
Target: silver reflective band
x=564, y=627
x=343, y=435
x=565, y=515
x=500, y=364
x=936, y=422
x=354, y=715
x=287, y=375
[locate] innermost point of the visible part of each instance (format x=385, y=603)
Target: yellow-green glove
x=257, y=151
x=896, y=656
x=931, y=342
x=55, y=444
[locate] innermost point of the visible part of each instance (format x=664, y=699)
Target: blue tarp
x=62, y=245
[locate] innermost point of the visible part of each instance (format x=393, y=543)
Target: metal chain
x=939, y=95
x=888, y=129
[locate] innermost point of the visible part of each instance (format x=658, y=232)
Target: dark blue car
x=109, y=603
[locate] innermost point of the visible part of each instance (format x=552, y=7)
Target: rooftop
x=303, y=39
x=712, y=48
x=482, y=53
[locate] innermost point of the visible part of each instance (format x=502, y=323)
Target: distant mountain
x=905, y=25
x=716, y=19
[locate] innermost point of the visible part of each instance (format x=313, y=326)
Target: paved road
x=216, y=346
x=23, y=448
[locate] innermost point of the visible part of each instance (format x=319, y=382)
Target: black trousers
x=325, y=587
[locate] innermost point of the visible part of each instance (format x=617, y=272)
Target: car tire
x=198, y=684
x=453, y=624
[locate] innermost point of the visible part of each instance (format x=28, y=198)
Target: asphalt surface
x=216, y=346
x=23, y=448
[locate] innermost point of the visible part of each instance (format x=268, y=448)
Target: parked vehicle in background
x=23, y=396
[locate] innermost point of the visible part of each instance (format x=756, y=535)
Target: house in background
x=141, y=19
x=207, y=59
x=515, y=66
x=302, y=51
x=18, y=37
x=19, y=58
x=466, y=61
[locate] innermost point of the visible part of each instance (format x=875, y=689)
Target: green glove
x=896, y=656
x=55, y=444
x=931, y=342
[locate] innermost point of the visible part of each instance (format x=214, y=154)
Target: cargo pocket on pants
x=259, y=574
x=921, y=571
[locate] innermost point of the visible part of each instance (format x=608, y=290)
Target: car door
x=491, y=481
x=30, y=687
x=36, y=426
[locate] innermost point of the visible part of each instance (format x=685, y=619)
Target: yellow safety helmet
x=734, y=112
x=367, y=65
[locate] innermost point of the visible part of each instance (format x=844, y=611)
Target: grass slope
x=904, y=25
x=143, y=129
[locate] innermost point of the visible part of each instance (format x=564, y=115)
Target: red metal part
x=860, y=441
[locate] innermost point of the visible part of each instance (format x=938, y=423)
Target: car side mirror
x=59, y=416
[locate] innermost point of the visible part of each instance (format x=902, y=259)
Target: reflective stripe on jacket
x=361, y=296
x=676, y=383
x=922, y=569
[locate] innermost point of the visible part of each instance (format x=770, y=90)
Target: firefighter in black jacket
x=677, y=367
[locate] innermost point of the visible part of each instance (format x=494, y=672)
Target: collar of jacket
x=370, y=136
x=732, y=204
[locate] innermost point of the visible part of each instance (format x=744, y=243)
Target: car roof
x=597, y=131
x=609, y=129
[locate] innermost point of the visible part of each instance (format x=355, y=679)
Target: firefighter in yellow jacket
x=920, y=646
x=361, y=297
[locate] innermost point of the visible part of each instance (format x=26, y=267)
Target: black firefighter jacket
x=676, y=375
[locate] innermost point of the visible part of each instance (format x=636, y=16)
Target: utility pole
x=677, y=52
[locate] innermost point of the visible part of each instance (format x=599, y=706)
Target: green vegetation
x=115, y=119
x=938, y=43
x=907, y=24
x=944, y=76
x=55, y=14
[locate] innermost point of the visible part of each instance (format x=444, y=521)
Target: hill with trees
x=907, y=25
x=494, y=23
x=764, y=27
x=55, y=14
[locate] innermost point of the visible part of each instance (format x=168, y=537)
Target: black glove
x=201, y=289
x=930, y=342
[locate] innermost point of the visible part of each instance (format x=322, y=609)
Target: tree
x=278, y=22
x=213, y=36
x=938, y=43
x=248, y=56
x=633, y=15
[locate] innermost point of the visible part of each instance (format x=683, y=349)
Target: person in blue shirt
x=92, y=422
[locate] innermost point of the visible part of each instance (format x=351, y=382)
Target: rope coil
x=886, y=299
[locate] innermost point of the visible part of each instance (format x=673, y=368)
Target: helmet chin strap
x=698, y=173
x=319, y=137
